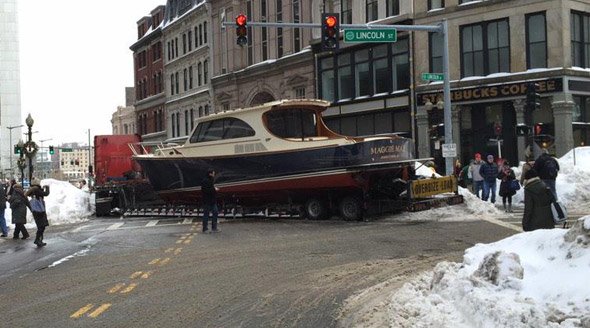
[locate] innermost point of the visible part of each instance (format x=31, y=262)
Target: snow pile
x=65, y=204
x=532, y=279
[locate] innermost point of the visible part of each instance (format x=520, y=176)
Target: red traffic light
x=241, y=20
x=331, y=21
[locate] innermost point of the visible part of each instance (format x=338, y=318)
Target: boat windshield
x=292, y=123
x=225, y=128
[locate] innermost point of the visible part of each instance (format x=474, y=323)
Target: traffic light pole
x=442, y=28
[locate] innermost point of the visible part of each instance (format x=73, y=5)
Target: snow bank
x=532, y=279
x=65, y=204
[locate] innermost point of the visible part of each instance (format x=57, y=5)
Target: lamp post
x=11, y=151
x=30, y=147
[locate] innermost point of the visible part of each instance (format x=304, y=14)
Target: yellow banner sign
x=429, y=187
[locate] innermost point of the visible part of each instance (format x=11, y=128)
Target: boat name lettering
x=387, y=149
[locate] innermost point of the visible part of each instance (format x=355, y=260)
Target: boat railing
x=151, y=147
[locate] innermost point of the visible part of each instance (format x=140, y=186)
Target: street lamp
x=10, y=128
x=20, y=163
x=30, y=146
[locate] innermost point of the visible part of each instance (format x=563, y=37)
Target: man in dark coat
x=537, y=203
x=3, y=226
x=489, y=172
x=19, y=204
x=209, y=201
x=547, y=167
x=37, y=194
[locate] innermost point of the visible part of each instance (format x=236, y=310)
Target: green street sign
x=433, y=77
x=373, y=35
x=67, y=150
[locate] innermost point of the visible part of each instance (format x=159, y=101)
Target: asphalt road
x=255, y=273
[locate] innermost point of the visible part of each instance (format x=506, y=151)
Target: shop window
x=363, y=83
x=381, y=73
x=327, y=78
x=485, y=48
x=345, y=78
x=581, y=121
x=580, y=30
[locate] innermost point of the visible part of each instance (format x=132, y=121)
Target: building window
x=346, y=11
x=581, y=121
x=206, y=109
x=200, y=35
x=327, y=79
x=172, y=84
x=175, y=47
x=435, y=46
x=580, y=29
x=192, y=118
x=264, y=30
x=381, y=72
x=176, y=82
x=485, y=48
x=205, y=72
x=296, y=31
x=372, y=10
x=467, y=1
x=184, y=44
x=173, y=125
x=279, y=29
x=190, y=40
x=204, y=32
x=364, y=85
x=186, y=122
x=226, y=107
x=536, y=39
x=178, y=124
x=199, y=73
x=300, y=93
x=201, y=113
x=392, y=7
x=436, y=4
x=185, y=79
x=250, y=36
x=345, y=78
x=196, y=36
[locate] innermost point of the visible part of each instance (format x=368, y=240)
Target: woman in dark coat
x=506, y=175
x=18, y=205
x=537, y=203
x=40, y=216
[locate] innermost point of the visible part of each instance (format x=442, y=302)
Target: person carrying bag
x=38, y=208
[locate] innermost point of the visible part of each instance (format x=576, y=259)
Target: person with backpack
x=537, y=203
x=507, y=190
x=3, y=226
x=489, y=172
x=37, y=194
x=547, y=167
x=19, y=204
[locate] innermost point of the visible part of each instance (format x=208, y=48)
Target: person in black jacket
x=537, y=203
x=506, y=175
x=19, y=204
x=3, y=226
x=37, y=195
x=209, y=201
x=547, y=167
x=489, y=172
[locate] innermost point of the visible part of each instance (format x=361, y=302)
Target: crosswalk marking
x=152, y=223
x=116, y=226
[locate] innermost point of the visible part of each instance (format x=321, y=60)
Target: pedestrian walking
x=3, y=226
x=547, y=167
x=10, y=188
x=537, y=203
x=19, y=204
x=209, y=201
x=465, y=175
x=489, y=172
x=38, y=194
x=476, y=176
x=507, y=176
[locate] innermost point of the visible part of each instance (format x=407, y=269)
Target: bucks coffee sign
x=491, y=91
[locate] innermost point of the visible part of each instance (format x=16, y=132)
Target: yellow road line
x=100, y=310
x=177, y=251
x=129, y=288
x=146, y=275
x=164, y=261
x=179, y=241
x=81, y=312
x=135, y=274
x=169, y=250
x=188, y=241
x=116, y=288
x=154, y=261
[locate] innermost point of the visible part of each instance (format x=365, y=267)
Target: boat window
x=228, y=128
x=292, y=123
x=235, y=128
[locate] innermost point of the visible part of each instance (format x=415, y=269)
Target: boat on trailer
x=281, y=153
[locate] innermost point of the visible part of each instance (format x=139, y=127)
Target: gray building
x=10, y=102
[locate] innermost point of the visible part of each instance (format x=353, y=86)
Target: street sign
x=67, y=150
x=449, y=150
x=373, y=35
x=433, y=77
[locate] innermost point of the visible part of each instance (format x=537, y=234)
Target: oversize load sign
x=429, y=187
x=365, y=35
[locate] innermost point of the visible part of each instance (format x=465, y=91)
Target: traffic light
x=523, y=130
x=51, y=150
x=533, y=98
x=17, y=150
x=242, y=29
x=440, y=130
x=330, y=31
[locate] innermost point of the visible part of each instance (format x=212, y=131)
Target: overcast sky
x=75, y=63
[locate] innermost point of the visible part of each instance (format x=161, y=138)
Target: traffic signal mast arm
x=428, y=28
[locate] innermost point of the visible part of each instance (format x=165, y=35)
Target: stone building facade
x=186, y=45
x=150, y=94
x=124, y=119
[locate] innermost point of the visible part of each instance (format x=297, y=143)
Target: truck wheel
x=350, y=208
x=315, y=209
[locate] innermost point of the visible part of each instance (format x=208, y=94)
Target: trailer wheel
x=315, y=209
x=350, y=208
